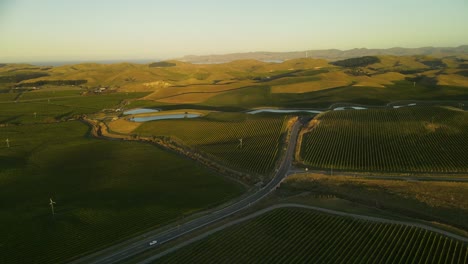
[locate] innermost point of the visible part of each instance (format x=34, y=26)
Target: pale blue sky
x=33, y=30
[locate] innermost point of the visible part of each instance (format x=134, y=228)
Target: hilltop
x=328, y=54
x=252, y=83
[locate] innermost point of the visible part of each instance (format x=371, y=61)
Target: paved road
x=140, y=244
x=315, y=208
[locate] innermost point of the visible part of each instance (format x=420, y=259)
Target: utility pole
x=52, y=207
x=7, y=143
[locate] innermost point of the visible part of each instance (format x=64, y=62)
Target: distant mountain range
x=330, y=54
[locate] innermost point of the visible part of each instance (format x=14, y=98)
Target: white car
x=154, y=242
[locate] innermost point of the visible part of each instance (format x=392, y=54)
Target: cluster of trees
x=463, y=73
x=274, y=77
x=21, y=76
x=162, y=64
x=201, y=75
x=435, y=64
x=357, y=62
x=358, y=72
x=423, y=80
x=53, y=82
x=412, y=71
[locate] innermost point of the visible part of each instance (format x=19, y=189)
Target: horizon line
x=42, y=62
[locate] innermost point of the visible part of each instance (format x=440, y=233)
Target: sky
x=60, y=30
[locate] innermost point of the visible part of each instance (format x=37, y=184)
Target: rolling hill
x=328, y=54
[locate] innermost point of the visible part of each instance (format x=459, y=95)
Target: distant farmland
x=411, y=139
x=305, y=236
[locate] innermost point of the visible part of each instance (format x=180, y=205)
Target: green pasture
x=51, y=110
x=105, y=191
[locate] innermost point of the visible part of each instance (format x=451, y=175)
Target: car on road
x=152, y=243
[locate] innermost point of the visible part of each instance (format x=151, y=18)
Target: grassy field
x=443, y=202
x=49, y=94
x=59, y=108
x=7, y=96
x=264, y=95
x=249, y=83
x=218, y=134
x=193, y=93
x=305, y=236
x=105, y=191
x=409, y=139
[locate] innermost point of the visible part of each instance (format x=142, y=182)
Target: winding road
x=140, y=244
